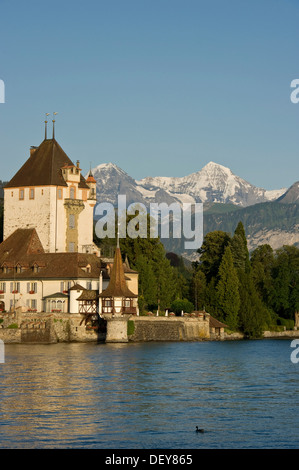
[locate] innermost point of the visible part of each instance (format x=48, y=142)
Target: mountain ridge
x=214, y=183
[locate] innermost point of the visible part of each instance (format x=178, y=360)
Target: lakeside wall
x=50, y=328
x=170, y=329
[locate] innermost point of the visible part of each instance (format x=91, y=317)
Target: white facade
x=49, y=209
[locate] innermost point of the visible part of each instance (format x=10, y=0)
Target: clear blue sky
x=158, y=87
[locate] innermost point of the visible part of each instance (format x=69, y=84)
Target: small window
x=12, y=194
x=59, y=194
x=21, y=194
x=72, y=193
x=31, y=193
x=88, y=285
x=71, y=247
x=72, y=221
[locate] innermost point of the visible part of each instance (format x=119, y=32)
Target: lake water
x=150, y=396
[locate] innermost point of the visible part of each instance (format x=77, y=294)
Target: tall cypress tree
x=239, y=249
x=228, y=290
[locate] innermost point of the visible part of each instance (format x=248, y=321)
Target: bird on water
x=199, y=430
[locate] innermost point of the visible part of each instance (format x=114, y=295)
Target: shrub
x=289, y=324
x=131, y=327
x=13, y=325
x=181, y=304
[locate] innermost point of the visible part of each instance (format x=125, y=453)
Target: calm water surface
x=150, y=395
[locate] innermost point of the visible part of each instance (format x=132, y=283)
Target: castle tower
x=50, y=194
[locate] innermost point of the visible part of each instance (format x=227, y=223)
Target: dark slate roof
x=23, y=248
x=43, y=167
x=117, y=285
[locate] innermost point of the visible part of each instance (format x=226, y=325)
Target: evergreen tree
x=262, y=263
x=254, y=316
x=228, y=290
x=239, y=249
x=211, y=252
x=198, y=289
x=285, y=284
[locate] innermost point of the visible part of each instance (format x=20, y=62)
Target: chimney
x=32, y=150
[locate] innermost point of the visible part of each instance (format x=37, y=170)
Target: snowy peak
x=214, y=183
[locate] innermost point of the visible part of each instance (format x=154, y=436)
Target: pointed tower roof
x=90, y=178
x=117, y=286
x=43, y=167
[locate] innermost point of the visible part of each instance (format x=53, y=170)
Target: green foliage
x=246, y=293
x=131, y=327
x=227, y=289
x=198, y=289
x=179, y=305
x=253, y=314
x=13, y=325
x=284, y=295
x=239, y=249
x=212, y=251
x=159, y=282
x=289, y=324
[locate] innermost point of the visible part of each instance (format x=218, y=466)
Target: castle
x=48, y=260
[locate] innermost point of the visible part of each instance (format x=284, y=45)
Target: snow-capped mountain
x=213, y=183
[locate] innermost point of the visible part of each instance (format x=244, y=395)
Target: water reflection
x=148, y=395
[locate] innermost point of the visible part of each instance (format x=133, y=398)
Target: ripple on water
x=149, y=395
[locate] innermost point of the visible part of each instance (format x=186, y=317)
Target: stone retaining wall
x=45, y=328
x=169, y=329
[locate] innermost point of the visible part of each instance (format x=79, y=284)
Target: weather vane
x=53, y=120
x=46, y=122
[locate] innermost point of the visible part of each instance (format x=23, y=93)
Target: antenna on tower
x=46, y=122
x=53, y=120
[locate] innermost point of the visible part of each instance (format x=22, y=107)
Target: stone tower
x=50, y=194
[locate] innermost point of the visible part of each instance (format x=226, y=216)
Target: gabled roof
x=20, y=244
x=214, y=323
x=117, y=286
x=88, y=294
x=43, y=167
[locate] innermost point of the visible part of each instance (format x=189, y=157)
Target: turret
x=92, y=185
